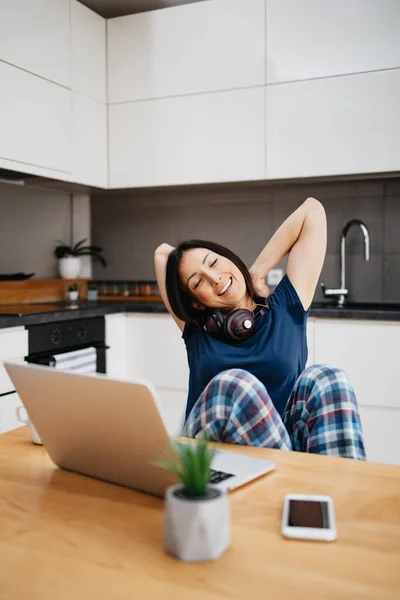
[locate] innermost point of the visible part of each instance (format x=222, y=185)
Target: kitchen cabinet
x=116, y=340
x=192, y=139
x=312, y=39
x=88, y=53
x=36, y=121
x=334, y=126
x=13, y=346
x=189, y=49
x=156, y=352
x=310, y=341
x=89, y=164
x=368, y=353
x=35, y=36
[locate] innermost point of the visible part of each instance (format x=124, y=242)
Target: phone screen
x=308, y=513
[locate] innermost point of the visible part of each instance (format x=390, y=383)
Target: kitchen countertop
x=26, y=315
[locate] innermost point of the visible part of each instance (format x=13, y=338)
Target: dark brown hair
x=180, y=299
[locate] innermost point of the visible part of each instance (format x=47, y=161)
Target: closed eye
x=213, y=263
x=197, y=284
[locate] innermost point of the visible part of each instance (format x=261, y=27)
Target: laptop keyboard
x=218, y=476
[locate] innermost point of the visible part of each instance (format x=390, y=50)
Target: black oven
x=48, y=340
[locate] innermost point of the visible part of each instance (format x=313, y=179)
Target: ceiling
x=119, y=8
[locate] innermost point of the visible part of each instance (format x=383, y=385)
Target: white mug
x=23, y=418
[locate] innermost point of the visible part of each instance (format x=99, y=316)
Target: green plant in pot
x=69, y=257
x=73, y=292
x=197, y=515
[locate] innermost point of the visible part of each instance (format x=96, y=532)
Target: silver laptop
x=112, y=430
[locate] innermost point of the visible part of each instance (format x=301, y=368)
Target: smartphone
x=308, y=518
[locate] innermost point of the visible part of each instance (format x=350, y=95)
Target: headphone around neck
x=238, y=325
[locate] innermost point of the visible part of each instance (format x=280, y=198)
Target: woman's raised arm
x=160, y=263
x=303, y=235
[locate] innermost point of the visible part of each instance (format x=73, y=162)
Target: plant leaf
x=78, y=244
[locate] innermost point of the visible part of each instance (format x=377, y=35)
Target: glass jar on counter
x=146, y=288
x=134, y=288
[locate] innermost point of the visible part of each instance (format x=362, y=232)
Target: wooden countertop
x=65, y=536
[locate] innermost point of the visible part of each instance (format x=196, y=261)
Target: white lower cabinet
x=368, y=353
x=156, y=352
x=116, y=340
x=13, y=346
x=310, y=342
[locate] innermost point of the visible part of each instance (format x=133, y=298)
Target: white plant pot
x=73, y=296
x=69, y=267
x=196, y=529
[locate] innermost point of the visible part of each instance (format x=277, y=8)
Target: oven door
x=50, y=359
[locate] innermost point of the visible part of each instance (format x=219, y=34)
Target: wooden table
x=65, y=536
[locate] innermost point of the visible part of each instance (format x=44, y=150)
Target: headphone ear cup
x=213, y=321
x=239, y=325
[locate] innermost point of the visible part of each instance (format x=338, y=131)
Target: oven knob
x=55, y=336
x=82, y=332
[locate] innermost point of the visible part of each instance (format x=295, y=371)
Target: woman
x=248, y=383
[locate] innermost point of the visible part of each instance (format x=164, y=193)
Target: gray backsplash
x=32, y=220
x=130, y=224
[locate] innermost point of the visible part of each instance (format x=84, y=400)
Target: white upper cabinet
x=190, y=139
x=187, y=49
x=334, y=126
x=313, y=38
x=88, y=52
x=35, y=120
x=35, y=36
x=89, y=141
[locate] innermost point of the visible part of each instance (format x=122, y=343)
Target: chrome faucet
x=342, y=292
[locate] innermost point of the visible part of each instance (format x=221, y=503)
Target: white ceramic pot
x=69, y=267
x=196, y=529
x=73, y=296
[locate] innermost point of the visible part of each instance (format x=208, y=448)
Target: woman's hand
x=259, y=284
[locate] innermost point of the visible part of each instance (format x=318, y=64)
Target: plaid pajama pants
x=321, y=415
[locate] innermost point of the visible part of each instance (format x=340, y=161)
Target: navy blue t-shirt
x=276, y=353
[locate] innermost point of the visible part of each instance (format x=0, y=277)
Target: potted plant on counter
x=69, y=257
x=73, y=293
x=197, y=515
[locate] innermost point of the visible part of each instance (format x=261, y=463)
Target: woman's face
x=213, y=280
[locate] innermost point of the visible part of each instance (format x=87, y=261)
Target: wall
x=31, y=222
x=131, y=224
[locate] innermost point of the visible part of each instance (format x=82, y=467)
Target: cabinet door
x=35, y=36
x=13, y=343
x=310, y=342
x=8, y=416
x=35, y=120
x=188, y=49
x=381, y=428
x=334, y=126
x=89, y=141
x=88, y=52
x=173, y=404
x=368, y=352
x=156, y=351
x=192, y=139
x=116, y=359
x=311, y=39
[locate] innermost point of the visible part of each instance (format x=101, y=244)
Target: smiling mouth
x=227, y=287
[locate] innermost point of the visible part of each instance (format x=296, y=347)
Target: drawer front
x=6, y=385
x=13, y=343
